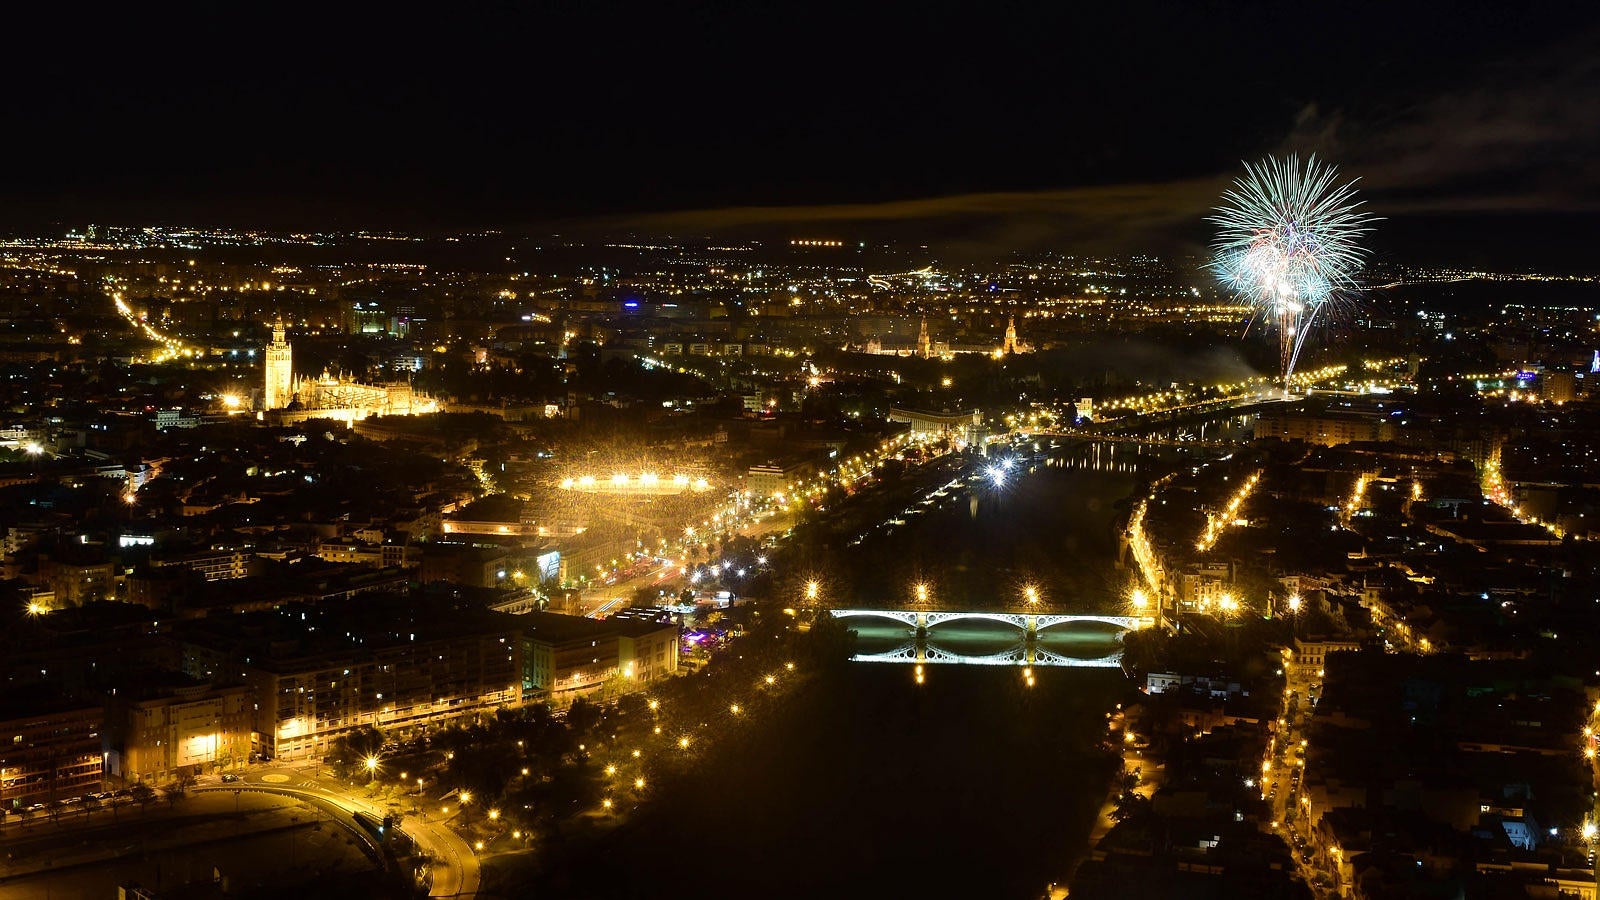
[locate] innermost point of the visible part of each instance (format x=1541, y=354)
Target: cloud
x=1521, y=135
x=1108, y=215
x=1517, y=136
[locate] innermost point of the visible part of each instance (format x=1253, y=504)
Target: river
x=971, y=783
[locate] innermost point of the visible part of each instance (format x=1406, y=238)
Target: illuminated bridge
x=922, y=642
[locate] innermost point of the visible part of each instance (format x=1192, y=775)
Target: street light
x=371, y=763
x=921, y=592
x=1294, y=603
x=1031, y=594
x=812, y=589
x=1139, y=599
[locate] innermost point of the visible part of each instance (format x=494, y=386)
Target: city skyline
x=1017, y=451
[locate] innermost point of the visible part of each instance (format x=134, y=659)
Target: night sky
x=1476, y=129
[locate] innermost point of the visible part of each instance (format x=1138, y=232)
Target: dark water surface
x=867, y=784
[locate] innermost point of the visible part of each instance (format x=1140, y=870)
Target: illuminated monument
x=332, y=397
x=1012, y=343
x=280, y=370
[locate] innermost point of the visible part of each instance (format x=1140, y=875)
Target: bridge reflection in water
x=989, y=638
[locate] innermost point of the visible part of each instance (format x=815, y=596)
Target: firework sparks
x=1288, y=242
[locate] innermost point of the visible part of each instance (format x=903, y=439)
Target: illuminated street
x=1005, y=451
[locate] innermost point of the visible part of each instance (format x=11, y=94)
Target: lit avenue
x=553, y=451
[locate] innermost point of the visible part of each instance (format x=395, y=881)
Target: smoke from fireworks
x=1288, y=244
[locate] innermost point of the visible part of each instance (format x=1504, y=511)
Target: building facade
x=215, y=565
x=188, y=731
x=302, y=705
x=50, y=753
x=279, y=371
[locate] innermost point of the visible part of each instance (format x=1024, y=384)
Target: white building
x=280, y=370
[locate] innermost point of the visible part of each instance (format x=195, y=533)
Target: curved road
x=455, y=867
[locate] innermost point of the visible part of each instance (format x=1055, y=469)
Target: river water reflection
x=884, y=780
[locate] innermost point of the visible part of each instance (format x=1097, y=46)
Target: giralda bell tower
x=280, y=369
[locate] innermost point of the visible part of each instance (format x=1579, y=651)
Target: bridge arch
x=1014, y=656
x=1121, y=623
x=1016, y=620
x=905, y=617
x=1042, y=657
x=1029, y=623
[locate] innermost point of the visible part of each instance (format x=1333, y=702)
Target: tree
x=1131, y=807
x=351, y=750
x=174, y=792
x=142, y=794
x=1127, y=780
x=583, y=716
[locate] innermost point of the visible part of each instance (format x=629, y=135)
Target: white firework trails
x=1288, y=244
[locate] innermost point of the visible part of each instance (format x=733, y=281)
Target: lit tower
x=1011, y=336
x=924, y=343
x=280, y=370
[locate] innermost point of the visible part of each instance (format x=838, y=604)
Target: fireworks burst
x=1288, y=243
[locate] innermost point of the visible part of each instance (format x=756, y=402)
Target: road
x=1285, y=787
x=604, y=599
x=456, y=871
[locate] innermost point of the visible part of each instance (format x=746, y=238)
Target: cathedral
x=292, y=399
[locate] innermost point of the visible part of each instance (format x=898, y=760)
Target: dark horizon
x=1010, y=128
